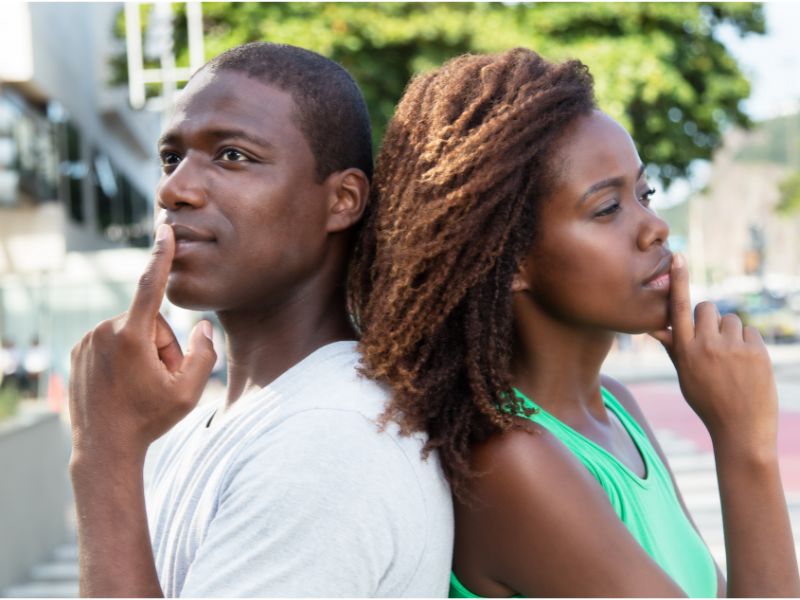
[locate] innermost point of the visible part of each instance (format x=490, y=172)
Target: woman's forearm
x=760, y=551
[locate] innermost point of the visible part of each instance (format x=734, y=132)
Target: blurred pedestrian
x=36, y=363
x=10, y=364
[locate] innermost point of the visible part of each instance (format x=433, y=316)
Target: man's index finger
x=152, y=283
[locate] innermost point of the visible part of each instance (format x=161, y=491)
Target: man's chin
x=185, y=297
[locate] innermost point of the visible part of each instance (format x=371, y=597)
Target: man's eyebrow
x=172, y=138
x=612, y=182
x=225, y=134
x=166, y=139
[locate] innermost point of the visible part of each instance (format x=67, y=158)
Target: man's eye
x=169, y=159
x=233, y=155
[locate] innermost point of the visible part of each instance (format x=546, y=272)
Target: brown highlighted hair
x=466, y=161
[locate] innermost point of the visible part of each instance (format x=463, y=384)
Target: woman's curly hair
x=466, y=160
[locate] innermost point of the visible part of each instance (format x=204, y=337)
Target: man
x=288, y=486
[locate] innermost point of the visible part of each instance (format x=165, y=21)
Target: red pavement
x=665, y=408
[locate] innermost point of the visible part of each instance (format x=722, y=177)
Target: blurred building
x=77, y=172
x=735, y=232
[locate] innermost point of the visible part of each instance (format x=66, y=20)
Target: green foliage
x=658, y=67
x=9, y=399
x=789, y=202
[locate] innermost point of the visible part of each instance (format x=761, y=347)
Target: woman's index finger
x=680, y=305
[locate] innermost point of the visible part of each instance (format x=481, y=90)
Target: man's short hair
x=331, y=111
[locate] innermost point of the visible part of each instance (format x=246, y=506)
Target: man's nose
x=183, y=187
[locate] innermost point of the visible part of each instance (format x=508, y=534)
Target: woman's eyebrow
x=611, y=182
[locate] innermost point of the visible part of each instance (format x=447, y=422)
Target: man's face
x=239, y=189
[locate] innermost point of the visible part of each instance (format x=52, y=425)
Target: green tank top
x=648, y=507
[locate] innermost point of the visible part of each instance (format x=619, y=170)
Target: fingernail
x=677, y=260
x=205, y=327
x=161, y=232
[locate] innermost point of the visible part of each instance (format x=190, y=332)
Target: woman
x=509, y=238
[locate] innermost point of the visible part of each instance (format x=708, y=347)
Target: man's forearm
x=115, y=553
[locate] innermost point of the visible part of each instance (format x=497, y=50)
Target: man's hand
x=130, y=382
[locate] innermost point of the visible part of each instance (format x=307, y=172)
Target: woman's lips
x=659, y=279
x=659, y=283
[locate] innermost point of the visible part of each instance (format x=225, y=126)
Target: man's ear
x=521, y=280
x=348, y=198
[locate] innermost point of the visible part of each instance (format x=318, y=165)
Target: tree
x=789, y=202
x=658, y=67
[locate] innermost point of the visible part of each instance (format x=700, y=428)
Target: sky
x=772, y=64
x=771, y=61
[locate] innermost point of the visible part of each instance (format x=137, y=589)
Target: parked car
x=772, y=316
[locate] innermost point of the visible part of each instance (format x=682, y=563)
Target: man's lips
x=659, y=278
x=184, y=234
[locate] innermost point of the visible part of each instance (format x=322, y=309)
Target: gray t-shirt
x=294, y=491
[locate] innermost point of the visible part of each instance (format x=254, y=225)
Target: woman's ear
x=348, y=198
x=521, y=280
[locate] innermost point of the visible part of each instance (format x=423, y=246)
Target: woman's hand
x=726, y=377
x=723, y=368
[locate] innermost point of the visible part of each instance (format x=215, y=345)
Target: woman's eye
x=647, y=196
x=608, y=210
x=233, y=155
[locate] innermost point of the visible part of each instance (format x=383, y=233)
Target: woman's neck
x=556, y=363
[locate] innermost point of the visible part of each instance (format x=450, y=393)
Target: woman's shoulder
x=522, y=462
x=624, y=396
x=534, y=500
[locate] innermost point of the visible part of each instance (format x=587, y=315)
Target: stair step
x=55, y=571
x=43, y=589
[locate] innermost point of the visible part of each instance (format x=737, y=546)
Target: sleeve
x=323, y=505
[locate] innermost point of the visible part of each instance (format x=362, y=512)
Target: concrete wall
x=35, y=494
x=741, y=194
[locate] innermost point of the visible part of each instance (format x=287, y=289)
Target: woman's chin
x=656, y=324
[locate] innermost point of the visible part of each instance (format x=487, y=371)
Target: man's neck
x=261, y=347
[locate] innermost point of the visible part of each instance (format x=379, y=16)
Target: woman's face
x=600, y=260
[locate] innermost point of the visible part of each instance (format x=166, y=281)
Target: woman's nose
x=652, y=230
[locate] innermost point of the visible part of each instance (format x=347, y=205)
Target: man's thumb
x=199, y=359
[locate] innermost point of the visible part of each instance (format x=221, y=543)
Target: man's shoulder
x=330, y=380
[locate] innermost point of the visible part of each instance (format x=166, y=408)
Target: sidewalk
x=648, y=361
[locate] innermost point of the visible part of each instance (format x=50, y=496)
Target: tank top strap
x=591, y=454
